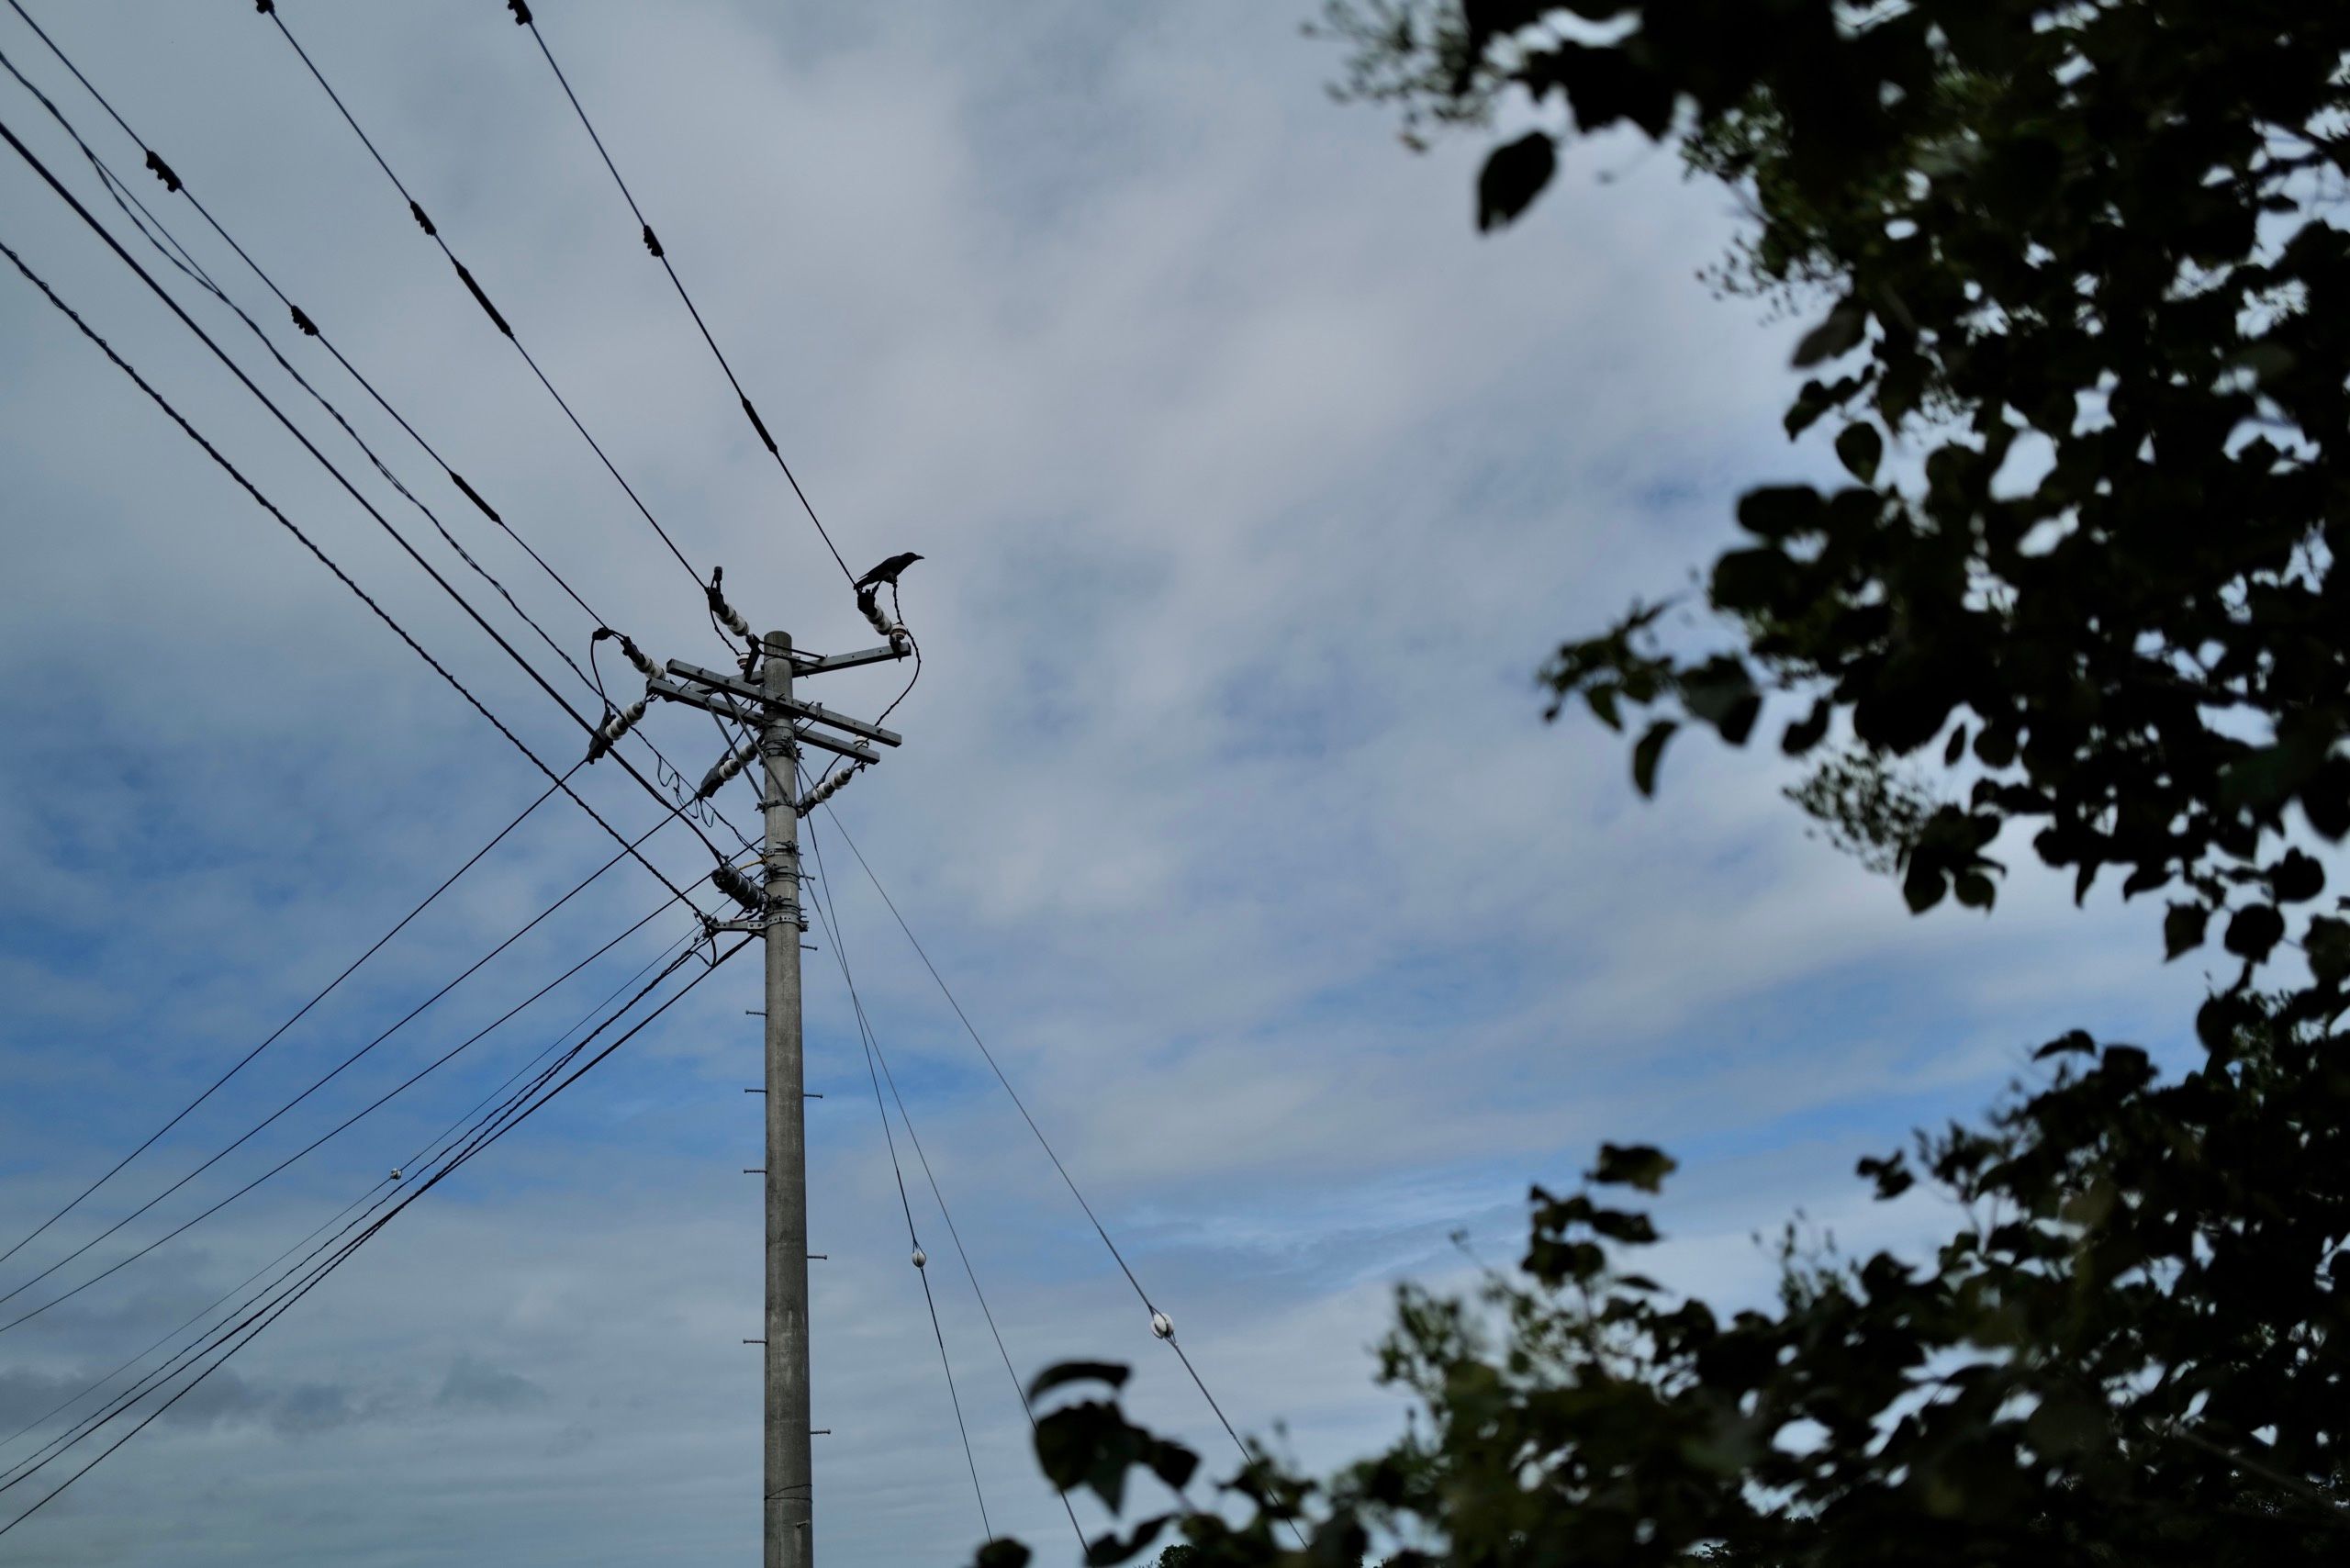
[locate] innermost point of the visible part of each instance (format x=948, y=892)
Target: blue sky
x=1253, y=486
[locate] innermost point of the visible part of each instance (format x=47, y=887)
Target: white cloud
x=1253, y=485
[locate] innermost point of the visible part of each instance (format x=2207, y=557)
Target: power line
x=913, y=1241
x=83, y=213
x=321, y=995
x=416, y=210
x=151, y=227
x=252, y=1327
x=320, y=1083
x=306, y=324
x=829, y=914
x=416, y=1162
x=651, y=243
x=1162, y=1325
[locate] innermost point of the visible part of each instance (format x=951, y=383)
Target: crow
x=887, y=572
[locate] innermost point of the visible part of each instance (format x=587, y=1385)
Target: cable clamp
x=163, y=171
x=636, y=655
x=521, y=13
x=718, y=605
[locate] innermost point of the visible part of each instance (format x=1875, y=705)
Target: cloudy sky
x=1253, y=486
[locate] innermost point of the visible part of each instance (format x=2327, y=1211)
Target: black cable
x=967, y=1028
x=654, y=245
x=1198, y=1381
x=289, y=1023
x=8, y=1478
x=416, y=210
x=255, y=268
x=169, y=243
x=830, y=916
x=416, y=1163
x=259, y=1322
x=913, y=1241
x=129, y=260
x=320, y=1083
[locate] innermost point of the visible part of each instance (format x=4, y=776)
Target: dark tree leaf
x=1859, y=448
x=1633, y=1165
x=1838, y=334
x=1513, y=175
x=1805, y=732
x=2296, y=878
x=1001, y=1553
x=1645, y=755
x=1065, y=1373
x=1109, y=1547
x=2327, y=946
x=2183, y=926
x=2253, y=930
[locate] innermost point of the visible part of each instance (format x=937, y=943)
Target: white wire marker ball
x=1162, y=1325
x=921, y=1258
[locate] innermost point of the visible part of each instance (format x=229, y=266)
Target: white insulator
x=396, y=1172
x=921, y=1258
x=643, y=661
x=733, y=763
x=625, y=719
x=1162, y=1325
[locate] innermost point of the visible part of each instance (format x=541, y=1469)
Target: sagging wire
x=829, y=914
x=1162, y=1326
x=920, y=1259
x=515, y=1110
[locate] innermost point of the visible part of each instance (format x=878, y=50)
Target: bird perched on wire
x=886, y=574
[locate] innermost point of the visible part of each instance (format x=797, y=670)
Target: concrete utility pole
x=782, y=724
x=790, y=1467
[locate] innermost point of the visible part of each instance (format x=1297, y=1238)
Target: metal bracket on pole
x=846, y=661
x=812, y=711
x=849, y=749
x=709, y=701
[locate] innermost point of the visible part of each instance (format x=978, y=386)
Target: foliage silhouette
x=2079, y=292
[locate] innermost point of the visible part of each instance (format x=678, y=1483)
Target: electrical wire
x=83, y=213
x=416, y=210
x=298, y=1014
x=253, y=1327
x=417, y=1162
x=309, y=325
x=651, y=243
x=829, y=915
x=149, y=227
x=1157, y=1317
x=320, y=1083
x=913, y=1241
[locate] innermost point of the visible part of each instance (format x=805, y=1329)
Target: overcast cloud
x=1253, y=486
